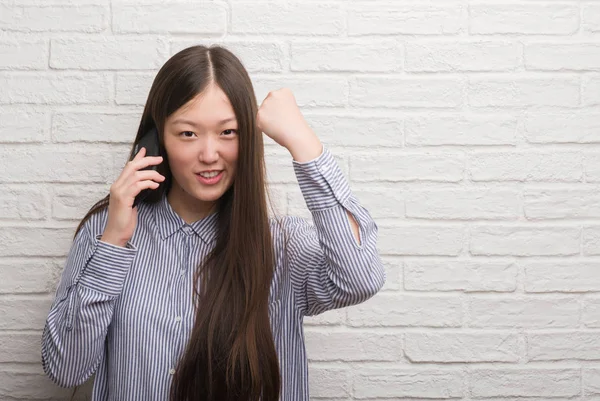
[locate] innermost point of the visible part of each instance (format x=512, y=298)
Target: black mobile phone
x=149, y=141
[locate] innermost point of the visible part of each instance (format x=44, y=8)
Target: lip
x=210, y=181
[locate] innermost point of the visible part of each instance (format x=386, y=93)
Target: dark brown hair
x=231, y=354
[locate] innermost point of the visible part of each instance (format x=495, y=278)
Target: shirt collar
x=168, y=222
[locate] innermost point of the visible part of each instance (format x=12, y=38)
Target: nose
x=209, y=150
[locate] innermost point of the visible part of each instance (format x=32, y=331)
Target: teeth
x=210, y=175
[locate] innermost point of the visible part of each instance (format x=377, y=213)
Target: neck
x=190, y=209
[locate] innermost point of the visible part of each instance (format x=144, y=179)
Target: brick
x=256, y=55
x=450, y=347
x=413, y=19
x=23, y=54
x=173, y=17
x=527, y=166
x=353, y=130
x=591, y=312
x=452, y=56
x=29, y=275
x=558, y=346
x=35, y=241
x=20, y=126
x=296, y=205
x=263, y=17
x=330, y=382
x=524, y=240
x=381, y=202
x=279, y=169
x=395, y=310
x=310, y=91
x=67, y=164
x=591, y=240
x=577, y=276
x=507, y=312
x=430, y=92
x=590, y=90
x=393, y=266
x=591, y=381
x=73, y=202
x=95, y=127
x=133, y=88
x=20, y=202
x=518, y=91
x=460, y=275
x=578, y=127
x=20, y=347
x=561, y=203
x=352, y=346
x=423, y=240
x=525, y=382
x=48, y=88
x=591, y=163
x=333, y=317
x=277, y=196
x=109, y=53
x=31, y=386
x=562, y=56
x=402, y=167
x=24, y=312
x=120, y=157
x=470, y=130
x=463, y=204
x=346, y=56
x=54, y=18
x=396, y=383
x=591, y=18
x=524, y=19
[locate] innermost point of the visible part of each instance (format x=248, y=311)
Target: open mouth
x=210, y=177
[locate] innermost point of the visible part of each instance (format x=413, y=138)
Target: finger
x=143, y=175
x=266, y=97
x=140, y=154
x=139, y=186
x=146, y=161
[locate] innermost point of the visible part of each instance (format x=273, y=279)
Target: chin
x=211, y=195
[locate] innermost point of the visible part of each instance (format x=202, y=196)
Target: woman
x=195, y=293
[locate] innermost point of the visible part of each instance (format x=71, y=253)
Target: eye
x=229, y=132
x=186, y=134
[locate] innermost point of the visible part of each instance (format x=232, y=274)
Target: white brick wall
x=470, y=128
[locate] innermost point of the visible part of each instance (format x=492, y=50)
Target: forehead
x=208, y=108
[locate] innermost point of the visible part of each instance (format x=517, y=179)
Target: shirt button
x=182, y=272
x=178, y=319
x=187, y=230
x=171, y=371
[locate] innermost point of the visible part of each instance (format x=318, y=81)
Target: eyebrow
x=192, y=123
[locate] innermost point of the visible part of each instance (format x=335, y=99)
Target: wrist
x=305, y=148
x=114, y=240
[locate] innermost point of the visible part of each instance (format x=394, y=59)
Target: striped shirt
x=126, y=313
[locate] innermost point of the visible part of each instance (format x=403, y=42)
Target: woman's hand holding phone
x=122, y=216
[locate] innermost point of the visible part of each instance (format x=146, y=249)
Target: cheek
x=178, y=160
x=231, y=154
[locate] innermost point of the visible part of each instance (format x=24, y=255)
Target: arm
x=334, y=263
x=75, y=331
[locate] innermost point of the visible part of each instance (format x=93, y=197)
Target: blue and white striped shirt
x=126, y=313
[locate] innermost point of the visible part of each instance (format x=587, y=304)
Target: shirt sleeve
x=75, y=331
x=329, y=268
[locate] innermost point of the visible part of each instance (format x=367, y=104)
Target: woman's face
x=201, y=141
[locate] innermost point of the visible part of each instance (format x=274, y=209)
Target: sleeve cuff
x=322, y=182
x=108, y=267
